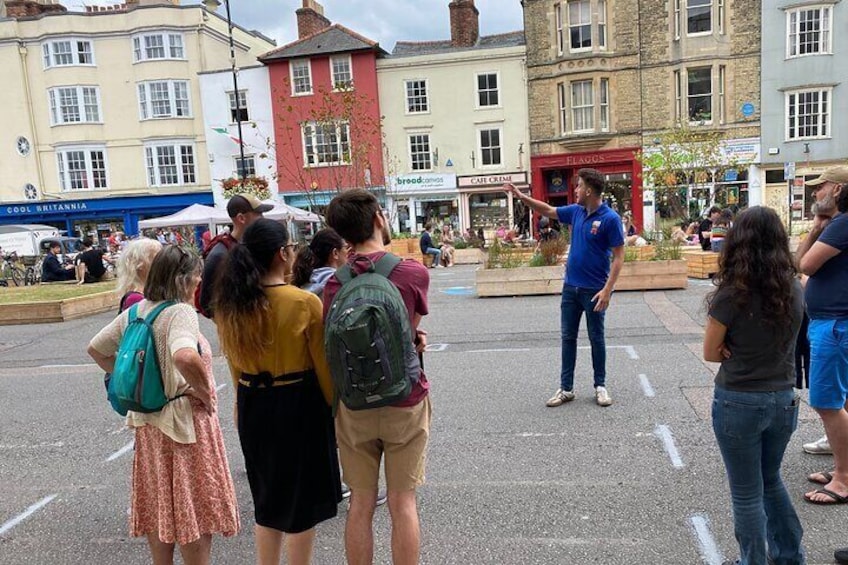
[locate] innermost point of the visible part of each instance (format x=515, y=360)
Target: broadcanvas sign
x=423, y=182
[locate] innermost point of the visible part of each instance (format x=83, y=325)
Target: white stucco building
x=219, y=113
x=455, y=126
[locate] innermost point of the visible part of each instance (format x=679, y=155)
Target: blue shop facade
x=99, y=215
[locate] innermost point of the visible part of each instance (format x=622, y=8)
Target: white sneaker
x=559, y=398
x=602, y=397
x=819, y=447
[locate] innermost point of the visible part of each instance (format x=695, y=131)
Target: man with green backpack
x=372, y=308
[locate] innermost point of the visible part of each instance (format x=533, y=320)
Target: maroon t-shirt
x=413, y=281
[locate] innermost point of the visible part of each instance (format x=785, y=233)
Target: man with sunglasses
x=243, y=209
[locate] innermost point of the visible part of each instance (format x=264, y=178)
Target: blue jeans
x=576, y=301
x=436, y=253
x=752, y=430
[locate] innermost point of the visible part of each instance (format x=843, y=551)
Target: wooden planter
x=58, y=310
x=644, y=253
x=469, y=256
x=652, y=275
x=520, y=281
x=701, y=264
x=527, y=281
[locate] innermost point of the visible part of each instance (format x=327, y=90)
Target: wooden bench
x=701, y=264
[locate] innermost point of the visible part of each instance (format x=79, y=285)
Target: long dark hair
x=240, y=304
x=755, y=258
x=315, y=255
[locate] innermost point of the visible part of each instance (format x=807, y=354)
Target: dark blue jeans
x=752, y=430
x=576, y=301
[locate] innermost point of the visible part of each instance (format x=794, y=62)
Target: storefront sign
x=742, y=151
x=44, y=208
x=492, y=180
x=424, y=182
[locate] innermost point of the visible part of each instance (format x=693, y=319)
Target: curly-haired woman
x=754, y=316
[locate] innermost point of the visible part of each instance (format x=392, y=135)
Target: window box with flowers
x=257, y=186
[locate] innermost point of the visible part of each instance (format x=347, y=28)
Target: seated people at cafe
x=427, y=247
x=89, y=263
x=52, y=270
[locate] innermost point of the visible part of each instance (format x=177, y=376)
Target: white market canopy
x=194, y=215
x=198, y=214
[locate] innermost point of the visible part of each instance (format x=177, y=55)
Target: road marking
x=631, y=351
x=708, y=548
x=128, y=447
x=42, y=445
x=220, y=386
x=646, y=386
x=77, y=366
x=664, y=433
x=494, y=350
x=26, y=514
x=436, y=347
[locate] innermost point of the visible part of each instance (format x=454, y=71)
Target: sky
x=385, y=21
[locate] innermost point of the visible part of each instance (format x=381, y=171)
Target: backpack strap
x=386, y=264
x=344, y=274
x=153, y=314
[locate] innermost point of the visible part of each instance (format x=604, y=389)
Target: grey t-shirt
x=762, y=357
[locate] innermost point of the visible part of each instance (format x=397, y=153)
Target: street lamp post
x=212, y=5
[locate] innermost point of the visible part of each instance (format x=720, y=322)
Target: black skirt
x=289, y=445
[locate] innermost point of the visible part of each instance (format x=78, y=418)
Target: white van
x=24, y=239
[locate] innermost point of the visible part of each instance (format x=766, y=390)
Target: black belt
x=266, y=380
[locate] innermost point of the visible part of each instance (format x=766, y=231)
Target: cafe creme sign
x=492, y=180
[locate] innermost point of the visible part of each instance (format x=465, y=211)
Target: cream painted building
x=102, y=114
x=455, y=127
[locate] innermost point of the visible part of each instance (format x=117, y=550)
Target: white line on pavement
x=646, y=386
x=664, y=433
x=128, y=447
x=436, y=347
x=26, y=514
x=631, y=351
x=220, y=386
x=76, y=366
x=709, y=549
x=495, y=350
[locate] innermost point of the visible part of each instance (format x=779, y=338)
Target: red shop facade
x=555, y=177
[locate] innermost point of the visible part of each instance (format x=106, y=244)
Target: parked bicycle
x=12, y=270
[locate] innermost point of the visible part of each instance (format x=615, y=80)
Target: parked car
x=24, y=239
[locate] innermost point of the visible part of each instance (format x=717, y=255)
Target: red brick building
x=326, y=109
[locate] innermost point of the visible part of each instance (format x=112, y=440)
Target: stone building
x=605, y=77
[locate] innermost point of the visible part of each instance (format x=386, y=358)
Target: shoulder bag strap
x=386, y=264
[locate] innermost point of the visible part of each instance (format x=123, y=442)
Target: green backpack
x=136, y=383
x=368, y=338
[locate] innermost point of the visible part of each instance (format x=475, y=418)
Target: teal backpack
x=136, y=383
x=368, y=338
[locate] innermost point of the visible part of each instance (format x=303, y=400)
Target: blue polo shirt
x=826, y=293
x=592, y=238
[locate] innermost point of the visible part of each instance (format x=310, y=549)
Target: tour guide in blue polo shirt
x=596, y=235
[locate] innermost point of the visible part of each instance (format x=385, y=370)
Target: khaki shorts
x=399, y=433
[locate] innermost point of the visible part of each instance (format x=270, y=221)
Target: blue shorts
x=828, y=363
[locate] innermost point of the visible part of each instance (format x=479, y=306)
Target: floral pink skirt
x=181, y=492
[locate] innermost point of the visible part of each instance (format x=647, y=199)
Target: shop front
x=555, y=177
x=98, y=217
x=414, y=200
x=485, y=206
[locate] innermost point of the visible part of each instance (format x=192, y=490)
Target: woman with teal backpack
x=182, y=490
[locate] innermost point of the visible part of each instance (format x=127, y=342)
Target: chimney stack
x=465, y=23
x=310, y=19
x=27, y=8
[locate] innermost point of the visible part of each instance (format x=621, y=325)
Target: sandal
x=827, y=477
x=836, y=498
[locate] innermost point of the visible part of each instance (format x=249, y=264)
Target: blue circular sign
x=748, y=109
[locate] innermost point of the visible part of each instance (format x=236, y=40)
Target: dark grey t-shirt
x=762, y=358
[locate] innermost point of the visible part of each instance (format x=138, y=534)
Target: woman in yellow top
x=273, y=336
